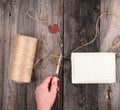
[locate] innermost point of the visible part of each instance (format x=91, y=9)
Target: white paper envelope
x=93, y=68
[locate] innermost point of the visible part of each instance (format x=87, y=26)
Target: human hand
x=45, y=97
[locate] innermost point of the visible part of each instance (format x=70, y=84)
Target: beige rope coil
x=22, y=59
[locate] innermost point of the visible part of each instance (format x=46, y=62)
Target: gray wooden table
x=77, y=20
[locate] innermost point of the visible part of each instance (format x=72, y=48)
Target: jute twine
x=22, y=59
x=21, y=65
x=45, y=22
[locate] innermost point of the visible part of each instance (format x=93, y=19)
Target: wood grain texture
x=77, y=23
x=109, y=29
x=1, y=51
x=15, y=19
x=79, y=28
x=10, y=99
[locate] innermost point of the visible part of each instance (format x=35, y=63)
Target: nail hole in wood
x=109, y=93
x=9, y=14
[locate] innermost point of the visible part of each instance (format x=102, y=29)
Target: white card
x=93, y=68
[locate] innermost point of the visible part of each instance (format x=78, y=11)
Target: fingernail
x=58, y=89
x=55, y=79
x=58, y=79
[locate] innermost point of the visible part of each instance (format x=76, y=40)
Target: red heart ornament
x=53, y=28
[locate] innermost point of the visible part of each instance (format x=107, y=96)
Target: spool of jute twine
x=22, y=59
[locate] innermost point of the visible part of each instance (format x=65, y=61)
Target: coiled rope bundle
x=22, y=59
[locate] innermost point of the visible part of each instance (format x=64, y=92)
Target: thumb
x=54, y=85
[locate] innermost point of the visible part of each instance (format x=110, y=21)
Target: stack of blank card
x=93, y=68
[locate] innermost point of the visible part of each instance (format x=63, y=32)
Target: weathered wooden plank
x=21, y=96
x=10, y=96
x=109, y=29
x=16, y=20
x=26, y=26
x=9, y=89
x=79, y=28
x=1, y=51
x=48, y=44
